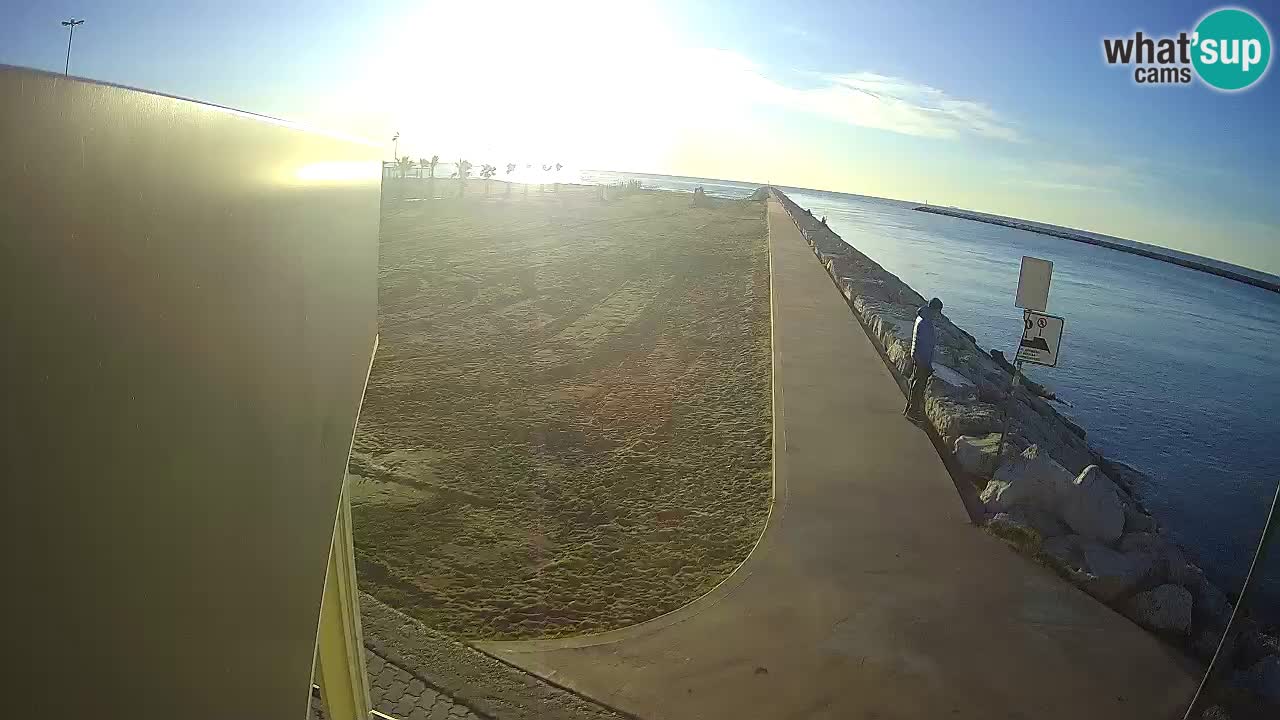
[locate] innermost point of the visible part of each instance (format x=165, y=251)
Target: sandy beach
x=568, y=424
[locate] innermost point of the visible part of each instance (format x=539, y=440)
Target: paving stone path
x=398, y=693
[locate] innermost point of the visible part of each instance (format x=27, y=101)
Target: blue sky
x=999, y=106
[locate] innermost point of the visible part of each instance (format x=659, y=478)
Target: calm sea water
x=1169, y=369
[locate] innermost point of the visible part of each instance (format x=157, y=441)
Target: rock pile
x=1078, y=507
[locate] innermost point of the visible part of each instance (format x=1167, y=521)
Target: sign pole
x=1008, y=412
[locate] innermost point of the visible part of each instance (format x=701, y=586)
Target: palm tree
x=511, y=167
x=464, y=169
x=557, y=183
x=422, y=162
x=487, y=172
x=435, y=160
x=406, y=165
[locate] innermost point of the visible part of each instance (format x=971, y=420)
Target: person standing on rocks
x=923, y=338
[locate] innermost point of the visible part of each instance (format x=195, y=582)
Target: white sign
x=1041, y=336
x=1033, y=284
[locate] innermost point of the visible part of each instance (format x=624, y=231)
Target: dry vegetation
x=568, y=426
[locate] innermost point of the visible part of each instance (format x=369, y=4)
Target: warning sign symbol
x=1041, y=338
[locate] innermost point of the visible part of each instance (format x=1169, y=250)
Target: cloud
x=862, y=99
x=1074, y=176
x=909, y=108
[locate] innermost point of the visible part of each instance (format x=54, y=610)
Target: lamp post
x=395, y=147
x=71, y=27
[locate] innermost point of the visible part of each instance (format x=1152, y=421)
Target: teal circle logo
x=1232, y=49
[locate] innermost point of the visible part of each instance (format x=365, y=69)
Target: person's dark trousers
x=919, y=381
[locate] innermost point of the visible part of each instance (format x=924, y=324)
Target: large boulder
x=1211, y=610
x=843, y=267
x=1166, y=608
x=1170, y=563
x=953, y=418
x=1135, y=520
x=1030, y=479
x=977, y=455
x=1264, y=679
x=1091, y=506
x=1101, y=571
x=1042, y=521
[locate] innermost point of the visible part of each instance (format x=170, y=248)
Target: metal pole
x=1226, y=646
x=1008, y=411
x=71, y=26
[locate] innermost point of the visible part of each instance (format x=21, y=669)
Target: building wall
x=190, y=304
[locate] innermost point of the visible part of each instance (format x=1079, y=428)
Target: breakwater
x=1134, y=248
x=1050, y=493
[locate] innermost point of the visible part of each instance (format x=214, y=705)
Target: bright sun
x=579, y=82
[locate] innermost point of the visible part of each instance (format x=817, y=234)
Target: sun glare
x=582, y=83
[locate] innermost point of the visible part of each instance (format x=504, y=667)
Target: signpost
x=1041, y=333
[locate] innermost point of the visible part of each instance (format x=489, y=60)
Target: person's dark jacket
x=923, y=337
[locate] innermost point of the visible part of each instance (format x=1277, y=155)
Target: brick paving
x=397, y=692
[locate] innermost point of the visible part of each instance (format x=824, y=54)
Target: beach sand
x=568, y=423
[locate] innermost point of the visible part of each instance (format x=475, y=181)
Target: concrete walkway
x=870, y=594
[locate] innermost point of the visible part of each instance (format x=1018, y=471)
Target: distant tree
x=511, y=167
x=405, y=164
x=422, y=163
x=464, y=170
x=487, y=172
x=556, y=186
x=435, y=160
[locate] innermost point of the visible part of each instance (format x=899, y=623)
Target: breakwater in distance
x=1202, y=264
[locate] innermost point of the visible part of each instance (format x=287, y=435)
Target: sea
x=1169, y=369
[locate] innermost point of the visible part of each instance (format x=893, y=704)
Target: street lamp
x=71, y=26
x=395, y=151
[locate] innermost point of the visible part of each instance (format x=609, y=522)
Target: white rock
x=1031, y=480
x=1091, y=506
x=1102, y=572
x=1166, y=608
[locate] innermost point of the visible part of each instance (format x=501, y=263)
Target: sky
x=1004, y=107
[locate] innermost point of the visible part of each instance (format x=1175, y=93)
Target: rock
x=977, y=455
x=1170, y=564
x=1215, y=712
x=1001, y=361
x=1164, y=609
x=842, y=267
x=1021, y=536
x=1092, y=507
x=1205, y=642
x=953, y=419
x=1264, y=678
x=1104, y=573
x=1042, y=521
x=1136, y=521
x=1031, y=480
x=1253, y=645
x=1211, y=609
x=989, y=392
